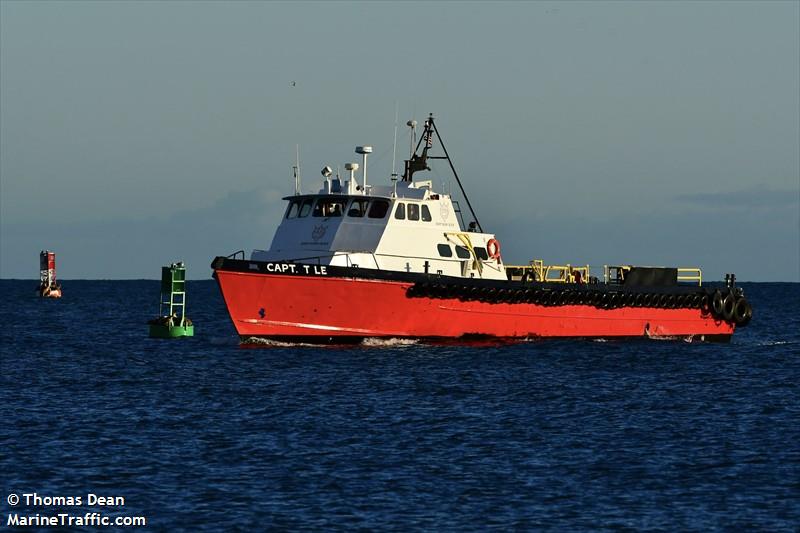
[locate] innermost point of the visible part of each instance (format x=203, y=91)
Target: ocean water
x=201, y=434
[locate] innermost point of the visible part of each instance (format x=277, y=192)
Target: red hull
x=330, y=308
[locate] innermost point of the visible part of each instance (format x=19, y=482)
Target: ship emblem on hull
x=319, y=232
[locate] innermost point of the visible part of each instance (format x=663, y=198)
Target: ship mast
x=420, y=162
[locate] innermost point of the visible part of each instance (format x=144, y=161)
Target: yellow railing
x=538, y=271
x=691, y=274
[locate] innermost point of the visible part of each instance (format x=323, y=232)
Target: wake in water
x=775, y=343
x=391, y=342
x=250, y=342
x=370, y=342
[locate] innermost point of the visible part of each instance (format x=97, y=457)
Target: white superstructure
x=405, y=227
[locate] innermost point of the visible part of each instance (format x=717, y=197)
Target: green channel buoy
x=172, y=321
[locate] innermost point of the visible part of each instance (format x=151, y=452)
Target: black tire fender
x=742, y=312
x=729, y=306
x=715, y=302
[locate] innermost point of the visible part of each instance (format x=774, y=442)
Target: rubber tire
x=594, y=299
x=729, y=306
x=715, y=303
x=743, y=312
x=699, y=301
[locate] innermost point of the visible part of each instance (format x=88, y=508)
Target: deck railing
x=536, y=270
x=691, y=274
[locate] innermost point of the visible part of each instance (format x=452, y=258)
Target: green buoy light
x=172, y=321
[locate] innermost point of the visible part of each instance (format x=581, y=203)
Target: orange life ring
x=493, y=248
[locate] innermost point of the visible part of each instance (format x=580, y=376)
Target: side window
x=400, y=212
x=462, y=252
x=358, y=208
x=413, y=211
x=426, y=213
x=305, y=209
x=481, y=253
x=378, y=209
x=294, y=208
x=445, y=250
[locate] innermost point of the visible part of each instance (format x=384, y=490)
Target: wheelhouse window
x=293, y=209
x=462, y=252
x=358, y=208
x=445, y=250
x=378, y=209
x=328, y=208
x=413, y=212
x=426, y=213
x=400, y=211
x=480, y=252
x=305, y=208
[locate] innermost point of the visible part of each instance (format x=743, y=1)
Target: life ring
x=493, y=249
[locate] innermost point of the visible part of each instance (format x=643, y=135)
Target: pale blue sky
x=133, y=134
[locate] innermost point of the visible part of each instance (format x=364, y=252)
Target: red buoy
x=48, y=286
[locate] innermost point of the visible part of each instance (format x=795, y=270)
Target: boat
x=397, y=261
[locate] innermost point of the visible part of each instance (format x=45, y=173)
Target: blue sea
x=201, y=434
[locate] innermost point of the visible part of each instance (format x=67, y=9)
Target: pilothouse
x=406, y=226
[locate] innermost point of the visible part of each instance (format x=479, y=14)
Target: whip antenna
x=296, y=169
x=394, y=148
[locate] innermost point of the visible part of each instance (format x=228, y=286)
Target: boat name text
x=315, y=270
